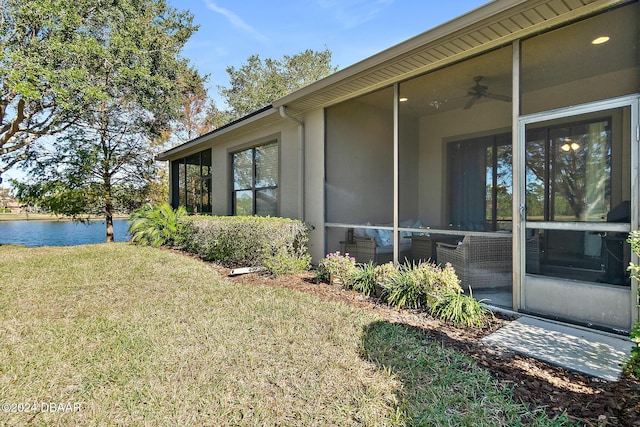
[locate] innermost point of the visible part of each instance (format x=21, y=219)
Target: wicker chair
x=485, y=262
x=364, y=249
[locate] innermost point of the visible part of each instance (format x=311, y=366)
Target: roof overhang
x=493, y=25
x=496, y=24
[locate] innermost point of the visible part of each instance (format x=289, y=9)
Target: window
x=255, y=180
x=569, y=172
x=480, y=177
x=191, y=182
x=577, y=173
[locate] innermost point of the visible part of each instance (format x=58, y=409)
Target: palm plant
x=155, y=225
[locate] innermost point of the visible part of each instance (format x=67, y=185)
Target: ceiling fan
x=478, y=91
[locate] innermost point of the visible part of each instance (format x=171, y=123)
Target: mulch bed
x=586, y=400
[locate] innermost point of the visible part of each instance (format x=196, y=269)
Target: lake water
x=59, y=233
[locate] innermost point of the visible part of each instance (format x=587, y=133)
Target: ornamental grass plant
x=424, y=285
x=364, y=279
x=460, y=309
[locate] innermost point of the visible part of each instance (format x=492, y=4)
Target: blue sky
x=232, y=30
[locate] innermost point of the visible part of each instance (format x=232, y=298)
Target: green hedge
x=278, y=244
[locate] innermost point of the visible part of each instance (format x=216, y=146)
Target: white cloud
x=235, y=20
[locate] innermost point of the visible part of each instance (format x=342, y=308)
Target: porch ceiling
x=496, y=24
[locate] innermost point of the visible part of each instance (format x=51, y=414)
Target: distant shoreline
x=49, y=217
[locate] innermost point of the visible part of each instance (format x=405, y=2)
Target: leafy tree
x=217, y=118
x=94, y=170
x=129, y=95
x=50, y=50
x=194, y=118
x=5, y=197
x=256, y=84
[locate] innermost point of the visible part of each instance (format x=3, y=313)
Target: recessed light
x=600, y=40
x=403, y=99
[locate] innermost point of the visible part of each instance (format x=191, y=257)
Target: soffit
x=496, y=24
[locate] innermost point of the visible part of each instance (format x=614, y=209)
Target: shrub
x=421, y=285
x=459, y=309
x=155, y=225
x=632, y=366
x=364, y=279
x=438, y=281
x=337, y=267
x=278, y=244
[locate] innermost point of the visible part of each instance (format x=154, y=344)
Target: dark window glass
x=480, y=176
x=191, y=182
x=255, y=180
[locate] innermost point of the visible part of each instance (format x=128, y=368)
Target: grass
x=140, y=336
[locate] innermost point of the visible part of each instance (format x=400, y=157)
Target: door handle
x=523, y=212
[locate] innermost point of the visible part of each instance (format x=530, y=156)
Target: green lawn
x=125, y=335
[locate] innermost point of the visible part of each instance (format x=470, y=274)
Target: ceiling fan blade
x=498, y=97
x=470, y=102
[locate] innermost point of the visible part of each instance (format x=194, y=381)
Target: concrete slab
x=586, y=351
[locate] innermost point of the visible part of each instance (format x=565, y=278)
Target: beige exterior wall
x=360, y=163
x=290, y=178
x=286, y=133
x=314, y=181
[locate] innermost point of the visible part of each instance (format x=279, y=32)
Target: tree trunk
x=109, y=218
x=108, y=209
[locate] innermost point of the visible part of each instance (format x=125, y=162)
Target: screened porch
x=427, y=170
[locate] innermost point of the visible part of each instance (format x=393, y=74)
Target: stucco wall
x=286, y=134
x=314, y=181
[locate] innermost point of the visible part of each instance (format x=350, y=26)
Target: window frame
x=254, y=188
x=180, y=180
